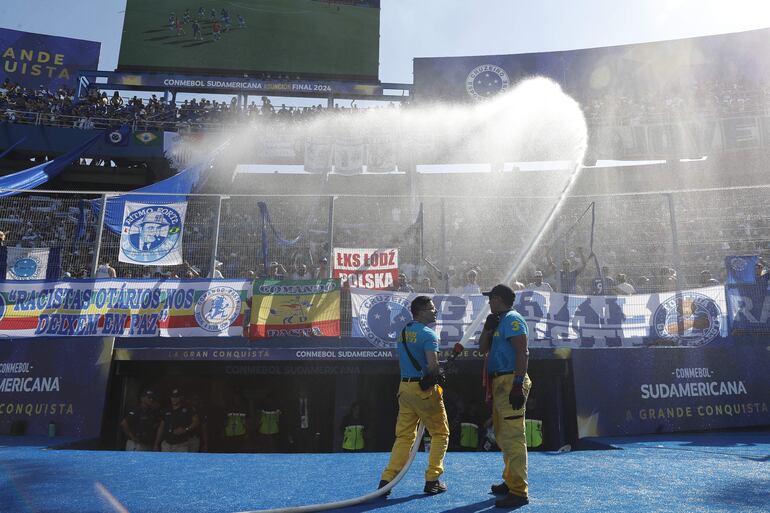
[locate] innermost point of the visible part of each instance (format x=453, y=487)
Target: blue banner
x=749, y=308
x=590, y=73
x=118, y=136
x=172, y=189
x=741, y=270
x=660, y=390
x=40, y=174
x=34, y=60
x=54, y=380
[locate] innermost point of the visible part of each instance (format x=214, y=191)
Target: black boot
x=512, y=501
x=382, y=485
x=434, y=487
x=500, y=489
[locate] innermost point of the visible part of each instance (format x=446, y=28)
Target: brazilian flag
x=147, y=138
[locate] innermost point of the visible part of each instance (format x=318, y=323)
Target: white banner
x=26, y=263
x=349, y=157
x=381, y=156
x=686, y=319
x=366, y=268
x=318, y=156
x=152, y=234
x=124, y=308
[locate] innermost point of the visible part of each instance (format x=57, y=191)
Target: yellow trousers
x=419, y=405
x=509, y=432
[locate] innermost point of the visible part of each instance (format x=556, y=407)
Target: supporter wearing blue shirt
x=416, y=404
x=567, y=275
x=504, y=339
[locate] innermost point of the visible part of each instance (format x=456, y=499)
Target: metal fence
x=441, y=238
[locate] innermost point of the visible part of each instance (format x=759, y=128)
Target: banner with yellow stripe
x=305, y=308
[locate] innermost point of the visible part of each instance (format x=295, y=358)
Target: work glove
x=516, y=396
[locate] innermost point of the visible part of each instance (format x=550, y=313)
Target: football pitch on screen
x=293, y=36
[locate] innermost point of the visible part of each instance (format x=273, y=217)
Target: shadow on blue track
x=388, y=503
x=744, y=494
x=384, y=503
x=474, y=508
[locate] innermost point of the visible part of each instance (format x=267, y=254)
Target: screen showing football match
x=334, y=39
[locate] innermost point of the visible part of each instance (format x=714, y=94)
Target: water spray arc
x=537, y=236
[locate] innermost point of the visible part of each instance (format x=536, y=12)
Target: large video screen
x=334, y=39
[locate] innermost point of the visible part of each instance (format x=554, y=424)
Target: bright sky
x=432, y=28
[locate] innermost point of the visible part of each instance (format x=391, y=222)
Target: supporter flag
x=30, y=263
x=147, y=138
x=119, y=136
x=349, y=157
x=741, y=269
x=318, y=156
x=368, y=268
x=380, y=156
x=301, y=308
x=152, y=234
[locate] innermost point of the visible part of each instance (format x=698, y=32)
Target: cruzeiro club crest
x=738, y=264
x=383, y=317
x=150, y=233
x=486, y=81
x=24, y=268
x=687, y=319
x=217, y=308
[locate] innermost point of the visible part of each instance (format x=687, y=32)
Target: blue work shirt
x=568, y=281
x=502, y=357
x=420, y=339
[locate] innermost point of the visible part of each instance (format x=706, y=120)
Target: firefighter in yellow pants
x=418, y=357
x=510, y=434
x=504, y=339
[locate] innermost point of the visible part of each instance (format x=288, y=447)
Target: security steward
x=177, y=427
x=504, y=338
x=416, y=404
x=140, y=424
x=353, y=430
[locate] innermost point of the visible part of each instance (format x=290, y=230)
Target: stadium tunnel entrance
x=315, y=399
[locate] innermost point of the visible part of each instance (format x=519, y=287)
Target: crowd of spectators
x=99, y=108
x=699, y=99
x=632, y=244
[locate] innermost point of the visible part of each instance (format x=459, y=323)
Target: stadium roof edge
x=619, y=45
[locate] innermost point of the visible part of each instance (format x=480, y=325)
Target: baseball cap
x=148, y=393
x=177, y=392
x=504, y=292
x=538, y=273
